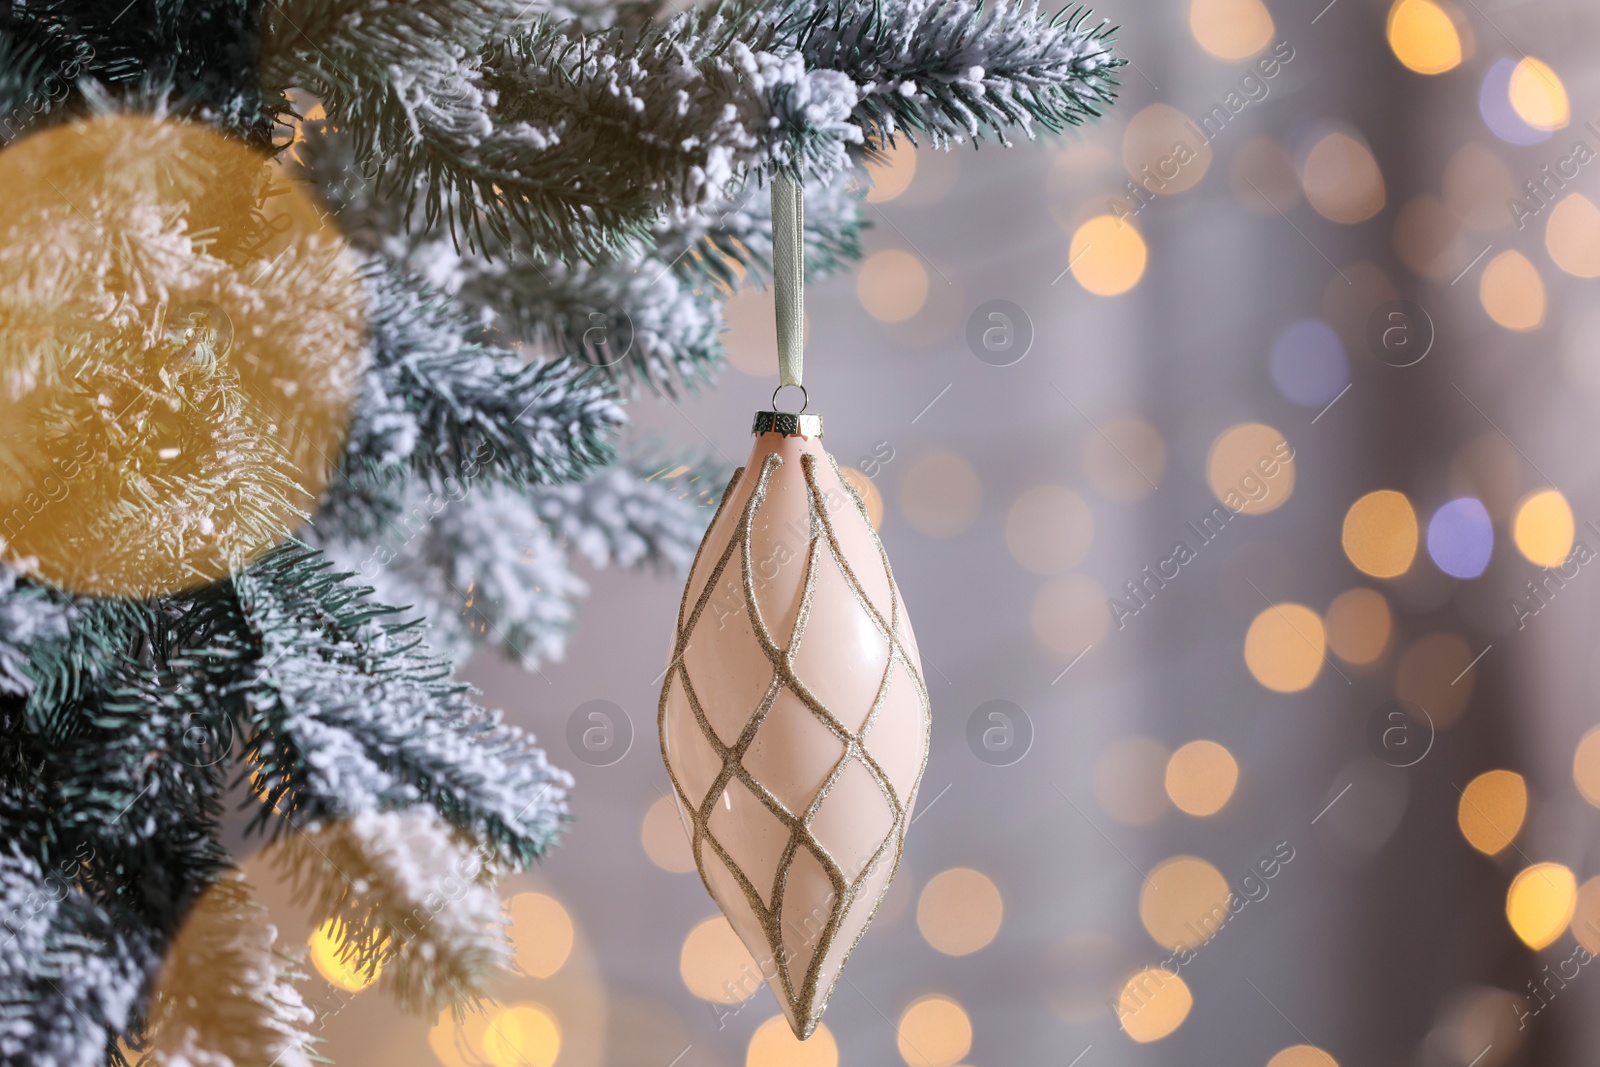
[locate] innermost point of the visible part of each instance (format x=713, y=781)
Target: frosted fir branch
x=69, y=974
x=958, y=69
x=226, y=996
x=349, y=714
x=438, y=404
x=479, y=566
x=623, y=517
x=407, y=897
x=27, y=614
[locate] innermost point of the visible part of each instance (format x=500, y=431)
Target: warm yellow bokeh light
x=1586, y=766
x=774, y=1045
x=522, y=1035
x=1302, y=1056
x=1250, y=468
x=934, y=1031
x=1572, y=236
x=892, y=285
x=541, y=933
x=1491, y=811
x=1152, y=1004
x=959, y=911
x=1424, y=37
x=663, y=838
x=1544, y=528
x=1380, y=534
x=1230, y=29
x=1049, y=529
x=892, y=174
x=1284, y=646
x=1537, y=95
x=1586, y=916
x=1512, y=292
x=1358, y=623
x=1129, y=780
x=1201, y=777
x=1183, y=902
x=1540, y=903
x=1342, y=180
x=867, y=490
x=1069, y=615
x=327, y=943
x=1164, y=150
x=716, y=966
x=1124, y=458
x=459, y=1044
x=1107, y=255
x=940, y=494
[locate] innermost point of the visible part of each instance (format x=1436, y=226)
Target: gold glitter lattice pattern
x=797, y=784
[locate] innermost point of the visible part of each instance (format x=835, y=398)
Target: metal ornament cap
x=787, y=423
x=794, y=718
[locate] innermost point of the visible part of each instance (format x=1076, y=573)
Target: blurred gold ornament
x=184, y=338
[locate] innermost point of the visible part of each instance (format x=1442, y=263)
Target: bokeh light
x=1152, y=1004
x=1511, y=291
x=1302, y=1056
x=1544, y=528
x=522, y=1035
x=663, y=838
x=1183, y=902
x=1427, y=238
x=1497, y=111
x=541, y=932
x=774, y=1045
x=892, y=285
x=716, y=966
x=1572, y=236
x=959, y=911
x=1342, y=180
x=1264, y=177
x=1107, y=255
x=891, y=174
x=867, y=490
x=1049, y=529
x=1284, y=647
x=1537, y=95
x=1477, y=186
x=940, y=494
x=1309, y=365
x=934, y=1031
x=1424, y=36
x=1461, y=538
x=1540, y=903
x=1070, y=614
x=1230, y=29
x=1586, y=916
x=1380, y=534
x=1491, y=811
x=1358, y=624
x=1164, y=150
x=1201, y=777
x=1586, y=766
x=327, y=956
x=1130, y=780
x=1435, y=672
x=1250, y=468
x=460, y=1043
x=1124, y=458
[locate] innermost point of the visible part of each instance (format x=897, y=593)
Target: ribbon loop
x=788, y=275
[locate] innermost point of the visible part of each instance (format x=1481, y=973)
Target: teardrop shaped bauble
x=794, y=719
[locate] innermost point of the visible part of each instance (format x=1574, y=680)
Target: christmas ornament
x=794, y=718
